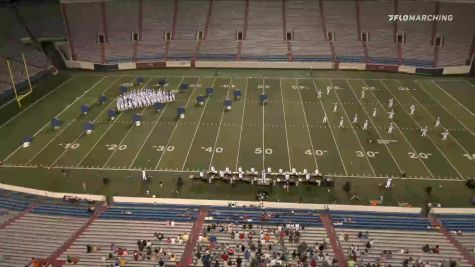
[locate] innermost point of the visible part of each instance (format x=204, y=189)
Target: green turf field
x=288, y=132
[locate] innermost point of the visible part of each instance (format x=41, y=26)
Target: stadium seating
x=462, y=227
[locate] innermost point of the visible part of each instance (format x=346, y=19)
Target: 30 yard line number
x=369, y=154
x=164, y=148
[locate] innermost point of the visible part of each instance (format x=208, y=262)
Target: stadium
x=237, y=133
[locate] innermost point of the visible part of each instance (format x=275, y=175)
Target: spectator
x=426, y=248
x=436, y=249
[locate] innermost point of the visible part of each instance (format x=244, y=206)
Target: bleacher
x=462, y=227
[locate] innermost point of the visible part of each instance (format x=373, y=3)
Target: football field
x=287, y=132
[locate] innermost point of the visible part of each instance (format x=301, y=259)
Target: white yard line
x=34, y=103
x=428, y=136
x=356, y=135
x=402, y=133
x=196, y=129
x=219, y=127
x=331, y=131
x=263, y=128
x=374, y=126
x=285, y=123
x=174, y=129
x=128, y=131
x=242, y=122
x=79, y=136
x=308, y=129
x=455, y=99
x=57, y=115
x=196, y=171
x=151, y=131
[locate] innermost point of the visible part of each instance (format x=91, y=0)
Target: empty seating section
x=130, y=211
x=264, y=38
x=464, y=223
x=417, y=49
x=309, y=44
x=341, y=19
x=181, y=49
x=124, y=234
x=381, y=46
x=85, y=22
x=458, y=34
x=122, y=20
x=44, y=19
x=373, y=220
x=157, y=19
x=227, y=19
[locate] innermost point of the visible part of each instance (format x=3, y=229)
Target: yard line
x=306, y=123
x=428, y=136
x=176, y=126
x=357, y=138
x=463, y=125
x=471, y=84
x=34, y=103
x=263, y=128
x=242, y=122
x=402, y=133
x=57, y=115
x=52, y=139
x=128, y=131
x=285, y=123
x=374, y=126
x=197, y=127
x=150, y=133
x=219, y=127
x=331, y=131
x=468, y=110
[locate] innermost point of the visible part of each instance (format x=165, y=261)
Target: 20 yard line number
x=116, y=147
x=469, y=156
x=420, y=155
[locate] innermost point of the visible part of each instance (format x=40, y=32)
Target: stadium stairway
x=53, y=259
x=337, y=251
x=466, y=254
x=187, y=256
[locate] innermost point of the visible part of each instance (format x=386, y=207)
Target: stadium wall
x=263, y=65
x=48, y=193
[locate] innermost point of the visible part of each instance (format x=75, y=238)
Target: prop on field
x=88, y=127
x=184, y=86
x=263, y=98
x=27, y=141
x=139, y=80
x=200, y=100
x=55, y=123
x=143, y=98
x=181, y=112
x=209, y=91
x=227, y=104
x=237, y=94
x=123, y=89
x=265, y=177
x=137, y=118
x=102, y=99
x=85, y=109
x=112, y=114
x=162, y=82
x=158, y=106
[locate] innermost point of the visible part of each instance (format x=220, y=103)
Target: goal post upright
x=27, y=73
x=13, y=82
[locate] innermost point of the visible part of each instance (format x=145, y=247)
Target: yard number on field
x=420, y=155
x=70, y=146
x=164, y=148
x=470, y=157
x=370, y=154
x=403, y=88
x=318, y=152
x=259, y=150
x=209, y=149
x=115, y=146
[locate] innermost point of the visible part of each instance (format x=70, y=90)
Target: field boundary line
x=102, y=111
x=428, y=136
x=34, y=103
x=131, y=127
x=308, y=129
x=354, y=131
x=57, y=115
x=219, y=127
x=242, y=122
x=285, y=123
x=153, y=128
x=263, y=127
x=176, y=126
x=455, y=99
x=374, y=126
x=197, y=127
